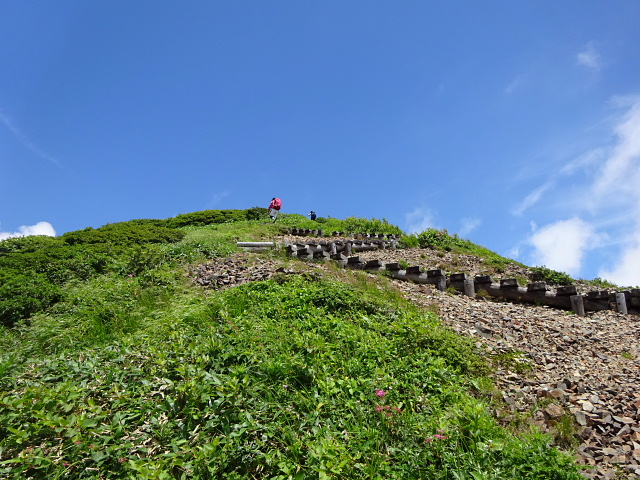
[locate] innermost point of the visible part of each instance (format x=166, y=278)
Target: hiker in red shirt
x=274, y=208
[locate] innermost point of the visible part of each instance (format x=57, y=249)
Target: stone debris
x=553, y=367
x=235, y=270
x=550, y=364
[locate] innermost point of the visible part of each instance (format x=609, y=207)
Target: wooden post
x=577, y=305
x=469, y=287
x=256, y=244
x=621, y=301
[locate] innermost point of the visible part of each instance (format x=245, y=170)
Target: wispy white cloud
x=604, y=201
x=419, y=220
x=618, y=187
x=589, y=57
x=531, y=199
x=40, y=228
x=619, y=177
x=589, y=159
x=514, y=252
x=24, y=140
x=562, y=245
x=468, y=225
x=584, y=162
x=517, y=84
x=217, y=197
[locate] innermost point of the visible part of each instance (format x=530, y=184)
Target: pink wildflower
x=380, y=393
x=379, y=408
x=437, y=436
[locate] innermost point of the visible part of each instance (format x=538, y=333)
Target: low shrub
x=552, y=277
x=409, y=241
x=208, y=217
x=437, y=239
x=256, y=213
x=24, y=295
x=602, y=283
x=31, y=243
x=124, y=233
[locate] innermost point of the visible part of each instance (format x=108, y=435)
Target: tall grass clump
x=290, y=378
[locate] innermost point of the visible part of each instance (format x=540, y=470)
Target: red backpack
x=277, y=204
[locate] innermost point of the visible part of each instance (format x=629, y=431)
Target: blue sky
x=514, y=124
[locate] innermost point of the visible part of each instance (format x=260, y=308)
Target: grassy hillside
x=115, y=365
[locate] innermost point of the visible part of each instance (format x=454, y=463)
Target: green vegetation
x=515, y=361
x=552, y=277
x=601, y=283
x=209, y=217
x=132, y=371
x=348, y=225
x=442, y=240
x=34, y=270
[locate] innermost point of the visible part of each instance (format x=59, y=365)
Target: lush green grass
x=135, y=373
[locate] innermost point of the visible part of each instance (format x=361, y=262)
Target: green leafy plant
x=515, y=361
x=409, y=241
x=436, y=239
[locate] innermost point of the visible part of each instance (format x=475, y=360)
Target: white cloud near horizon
x=40, y=228
x=589, y=57
x=419, y=220
x=562, y=245
x=24, y=140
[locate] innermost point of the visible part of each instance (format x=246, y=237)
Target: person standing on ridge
x=274, y=208
x=312, y=215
